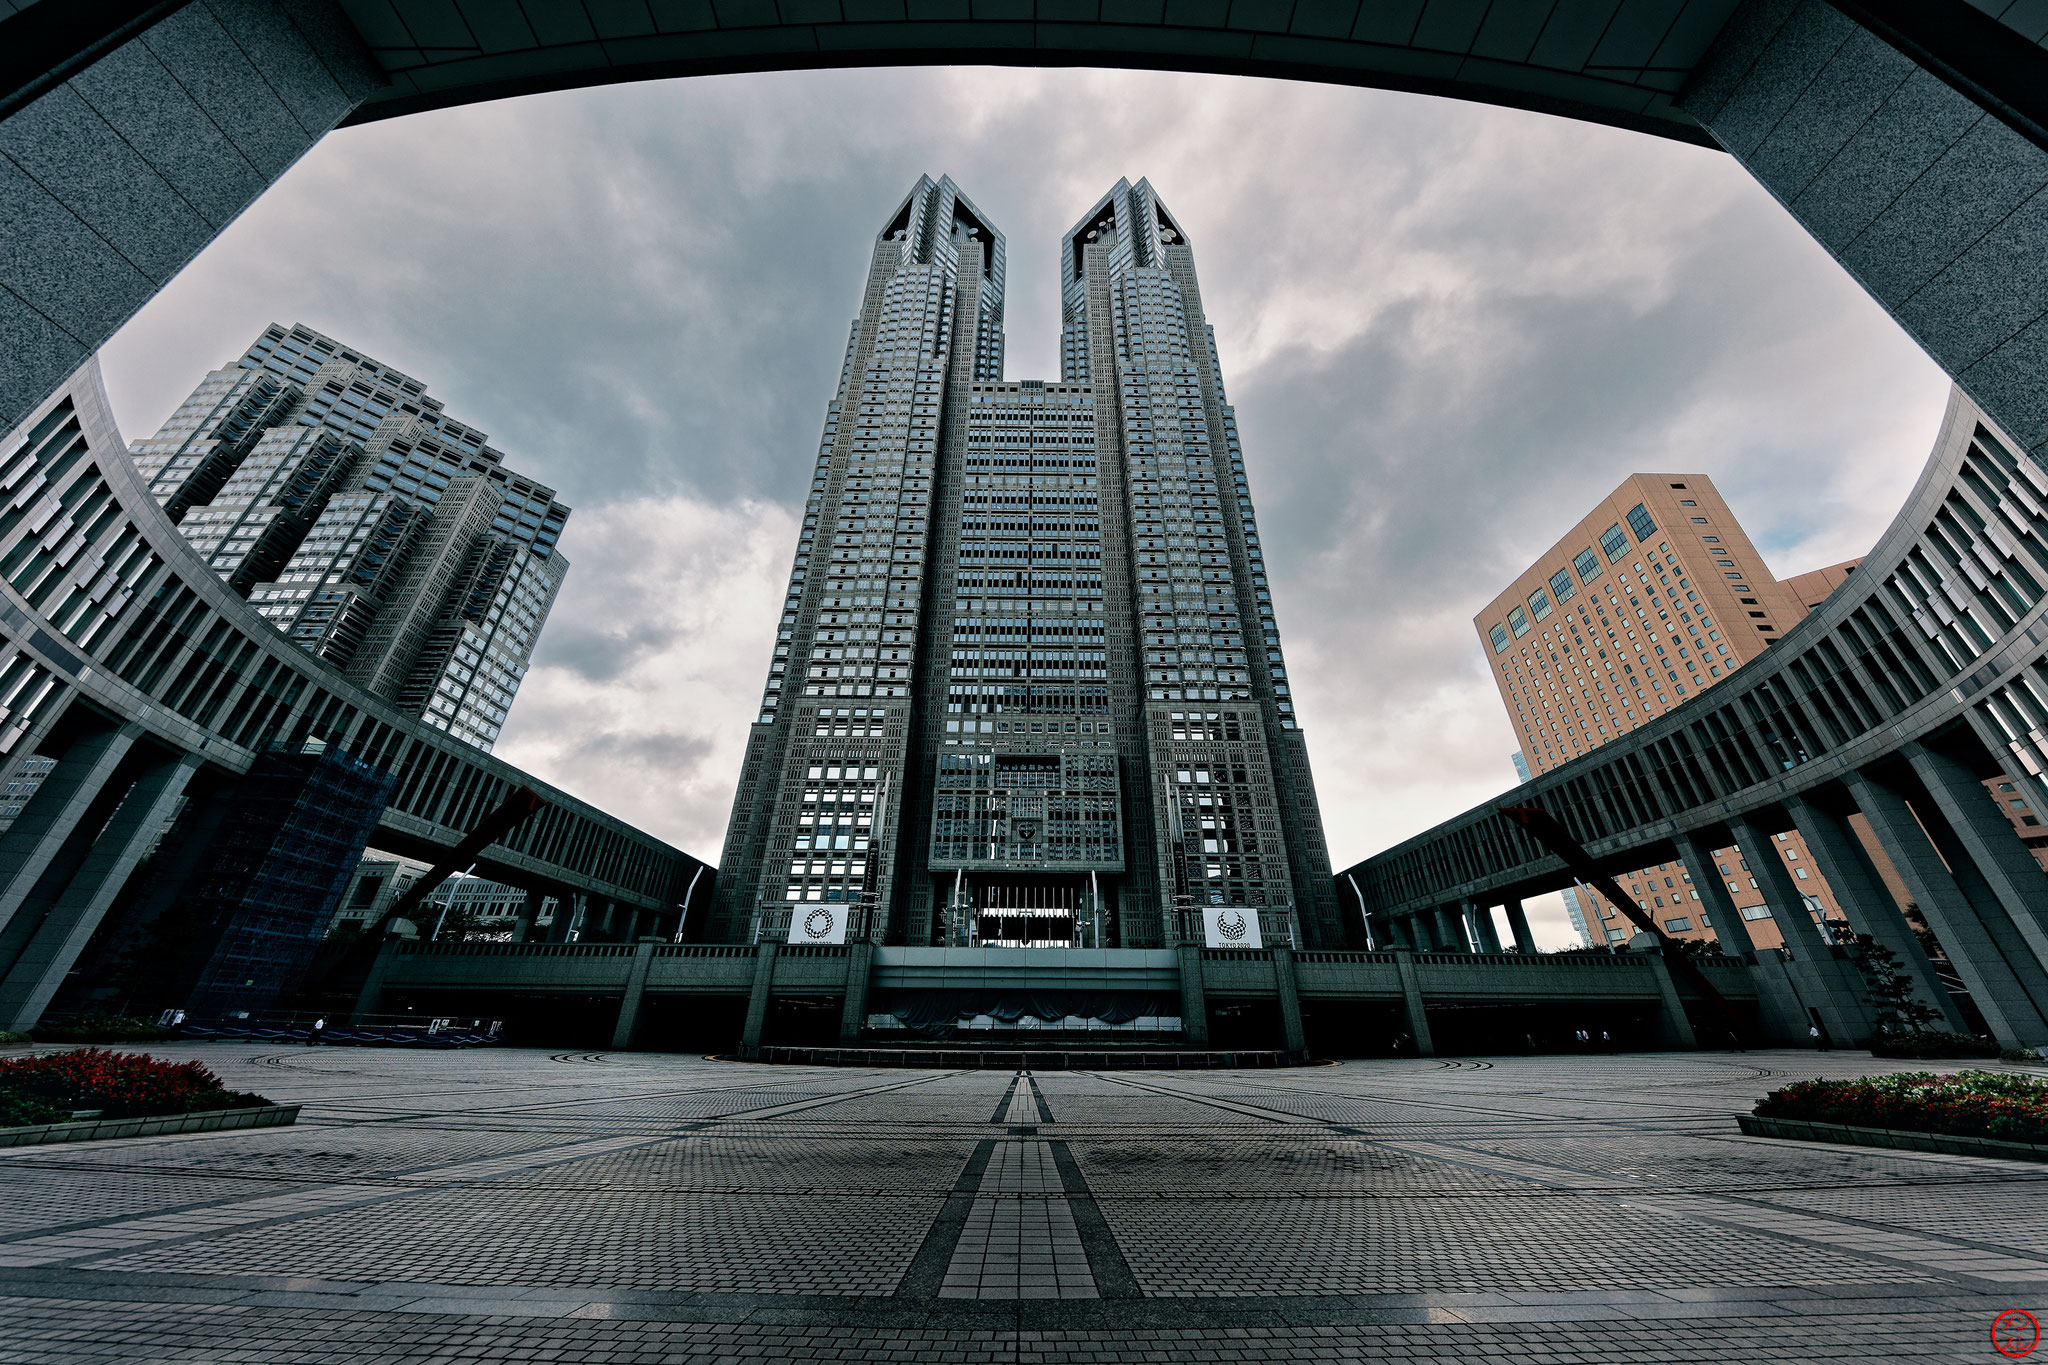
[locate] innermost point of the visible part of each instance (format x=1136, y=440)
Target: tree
x=1892, y=992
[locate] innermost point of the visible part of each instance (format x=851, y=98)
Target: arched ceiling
x=1618, y=62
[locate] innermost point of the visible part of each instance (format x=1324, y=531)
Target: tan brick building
x=1654, y=596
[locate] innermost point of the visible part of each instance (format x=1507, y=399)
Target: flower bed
x=1992, y=1104
x=50, y=1087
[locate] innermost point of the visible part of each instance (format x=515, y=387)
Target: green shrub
x=2019, y=1054
x=13, y=1039
x=20, y=1108
x=1931, y=1043
x=100, y=1028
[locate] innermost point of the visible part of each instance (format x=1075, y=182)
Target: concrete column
x=629, y=1003
x=1518, y=925
x=51, y=835
x=370, y=999
x=1449, y=933
x=1922, y=193
x=1861, y=893
x=522, y=926
x=39, y=969
x=853, y=1015
x=1675, y=1029
x=1194, y=995
x=1986, y=838
x=1411, y=1000
x=1289, y=990
x=117, y=178
x=2005, y=988
x=758, y=999
x=1827, y=980
x=1485, y=933
x=1779, y=1009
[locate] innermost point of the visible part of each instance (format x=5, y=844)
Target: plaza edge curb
x=1950, y=1144
x=159, y=1125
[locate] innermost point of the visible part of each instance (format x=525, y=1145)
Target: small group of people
x=1585, y=1040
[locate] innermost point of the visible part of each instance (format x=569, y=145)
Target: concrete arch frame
x=1909, y=137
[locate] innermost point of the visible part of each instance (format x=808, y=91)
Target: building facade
x=1657, y=594
x=374, y=530
x=1028, y=686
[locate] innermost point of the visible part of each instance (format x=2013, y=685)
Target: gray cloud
x=1447, y=330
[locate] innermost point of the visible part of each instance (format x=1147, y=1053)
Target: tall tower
x=377, y=532
x=1027, y=687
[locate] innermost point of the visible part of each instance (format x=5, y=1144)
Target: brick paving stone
x=509, y=1205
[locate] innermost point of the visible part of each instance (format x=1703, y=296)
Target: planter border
x=1899, y=1139
x=199, y=1121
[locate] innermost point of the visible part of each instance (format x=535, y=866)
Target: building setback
x=1028, y=685
x=377, y=532
x=1654, y=596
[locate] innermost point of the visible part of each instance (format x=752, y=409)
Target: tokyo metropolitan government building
x=1028, y=689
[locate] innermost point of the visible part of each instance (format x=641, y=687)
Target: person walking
x=1820, y=1040
x=313, y=1035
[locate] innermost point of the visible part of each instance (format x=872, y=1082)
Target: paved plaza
x=510, y=1205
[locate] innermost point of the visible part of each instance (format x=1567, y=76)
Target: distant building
x=377, y=532
x=380, y=881
x=24, y=784
x=1654, y=596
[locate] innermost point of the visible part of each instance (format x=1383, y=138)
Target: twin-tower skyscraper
x=1028, y=686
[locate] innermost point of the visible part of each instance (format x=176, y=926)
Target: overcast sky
x=1447, y=330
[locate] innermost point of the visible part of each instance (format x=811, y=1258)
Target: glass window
x=1499, y=635
x=1588, y=565
x=1614, y=541
x=1639, y=522
x=1539, y=603
x=1518, y=621
x=1678, y=925
x=1562, y=587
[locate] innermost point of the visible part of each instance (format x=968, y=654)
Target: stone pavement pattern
x=514, y=1205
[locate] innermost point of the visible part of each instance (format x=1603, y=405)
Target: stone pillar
x=1779, y=1009
x=1987, y=840
x=1485, y=933
x=1194, y=996
x=50, y=837
x=1450, y=934
x=758, y=999
x=1930, y=200
x=370, y=999
x=2005, y=987
x=1411, y=1001
x=1674, y=1029
x=1827, y=980
x=1289, y=990
x=54, y=945
x=629, y=1002
x=117, y=178
x=1861, y=892
x=522, y=926
x=853, y=1015
x=1518, y=925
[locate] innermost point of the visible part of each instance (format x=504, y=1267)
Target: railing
x=705, y=950
x=515, y=949
x=1237, y=954
x=1344, y=955
x=814, y=950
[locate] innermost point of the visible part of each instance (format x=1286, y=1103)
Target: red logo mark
x=2014, y=1333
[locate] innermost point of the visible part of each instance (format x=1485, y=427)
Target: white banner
x=823, y=923
x=1231, y=926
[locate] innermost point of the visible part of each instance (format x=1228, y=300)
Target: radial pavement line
x=1113, y=1277
x=928, y=1268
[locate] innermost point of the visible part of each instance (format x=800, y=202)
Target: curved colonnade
x=1921, y=677
x=126, y=659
